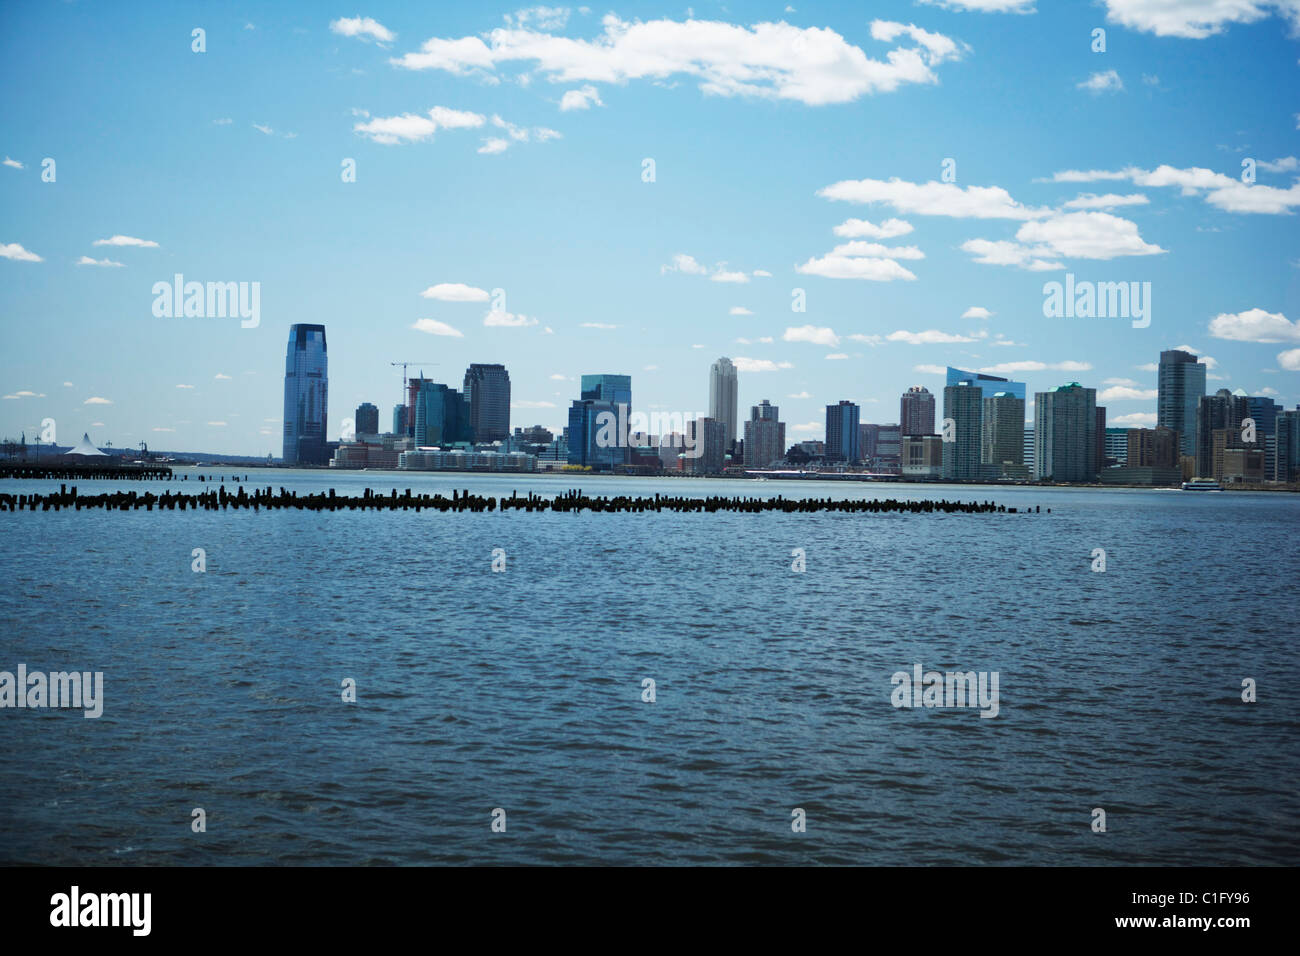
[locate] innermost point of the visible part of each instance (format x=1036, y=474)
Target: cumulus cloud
x=1108, y=201
x=740, y=310
x=434, y=327
x=502, y=319
x=12, y=250
x=583, y=98
x=931, y=337
x=984, y=6
x=815, y=66
x=758, y=365
x=414, y=127
x=1104, y=81
x=1007, y=368
x=1118, y=393
x=455, y=292
x=1218, y=189
x=362, y=28
x=1289, y=360
x=15, y=164
x=812, y=334
x=934, y=198
x=87, y=261
x=126, y=241
x=865, y=229
x=1254, y=325
x=977, y=312
x=1134, y=420
x=1194, y=19
x=1071, y=235
x=689, y=265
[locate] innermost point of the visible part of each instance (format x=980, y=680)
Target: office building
x=709, y=438
x=1116, y=450
x=1002, y=436
x=722, y=397
x=988, y=384
x=916, y=412
x=1181, y=386
x=399, y=420
x=597, y=421
x=1157, y=447
x=1222, y=411
x=842, y=440
x=867, y=436
x=888, y=455
x=963, y=402
x=487, y=398
x=921, y=456
x=306, y=397
x=1065, y=438
x=764, y=436
x=440, y=416
x=366, y=419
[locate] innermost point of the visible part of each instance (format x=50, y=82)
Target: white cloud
x=865, y=229
x=836, y=356
x=87, y=261
x=1104, y=81
x=265, y=130
x=1006, y=368
x=1073, y=235
x=799, y=395
x=977, y=312
x=1004, y=252
x=13, y=163
x=126, y=241
x=580, y=99
x=414, y=127
x=223, y=121
x=434, y=327
x=929, y=337
x=1118, y=393
x=493, y=145
x=740, y=310
x=1194, y=19
x=1286, y=164
x=726, y=276
x=758, y=365
x=599, y=325
x=455, y=292
x=1289, y=360
x=934, y=199
x=930, y=369
x=97, y=400
x=1108, y=201
x=1218, y=189
x=222, y=377
x=814, y=66
x=1255, y=325
x=1120, y=381
x=363, y=28
x=12, y=250
x=532, y=405
x=875, y=250
x=1134, y=420
x=544, y=18
x=217, y=424
x=984, y=6
x=854, y=267
x=813, y=334
x=498, y=318
x=689, y=265
x=184, y=386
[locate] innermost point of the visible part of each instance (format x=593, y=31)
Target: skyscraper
x=1222, y=411
x=596, y=420
x=764, y=436
x=1286, y=459
x=366, y=419
x=1002, y=436
x=440, y=416
x=963, y=402
x=487, y=395
x=916, y=411
x=399, y=420
x=1065, y=438
x=306, y=396
x=1180, y=387
x=710, y=442
x=842, y=433
x=988, y=384
x=722, y=397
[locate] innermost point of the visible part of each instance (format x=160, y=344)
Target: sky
x=842, y=198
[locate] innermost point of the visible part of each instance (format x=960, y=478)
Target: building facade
x=916, y=412
x=722, y=397
x=487, y=398
x=366, y=419
x=1065, y=437
x=842, y=433
x=1180, y=387
x=764, y=436
x=306, y=397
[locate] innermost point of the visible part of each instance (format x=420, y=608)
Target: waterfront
x=522, y=689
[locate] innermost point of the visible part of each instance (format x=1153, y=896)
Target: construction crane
x=404, y=364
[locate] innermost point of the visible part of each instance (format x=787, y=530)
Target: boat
x=1202, y=484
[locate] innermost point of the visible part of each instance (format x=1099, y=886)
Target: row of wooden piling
x=572, y=501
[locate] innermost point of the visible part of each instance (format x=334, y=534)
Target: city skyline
x=446, y=248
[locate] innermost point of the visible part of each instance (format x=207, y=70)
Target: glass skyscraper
x=487, y=395
x=722, y=397
x=600, y=393
x=989, y=384
x=306, y=396
x=1180, y=387
x=440, y=415
x=842, y=438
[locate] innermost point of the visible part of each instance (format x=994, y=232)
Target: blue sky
x=504, y=150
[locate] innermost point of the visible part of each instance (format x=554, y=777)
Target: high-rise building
x=487, y=396
x=306, y=397
x=1220, y=411
x=1029, y=448
x=842, y=433
x=1157, y=447
x=399, y=420
x=889, y=448
x=764, y=435
x=722, y=397
x=413, y=386
x=1286, y=460
x=1180, y=388
x=1116, y=451
x=596, y=420
x=366, y=419
x=1263, y=412
x=916, y=412
x=868, y=434
x=1065, y=438
x=988, y=384
x=1101, y=438
x=710, y=444
x=963, y=402
x=1002, y=437
x=440, y=416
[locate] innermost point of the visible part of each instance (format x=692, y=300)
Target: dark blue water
x=522, y=690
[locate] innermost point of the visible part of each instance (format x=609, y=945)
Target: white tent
x=84, y=447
